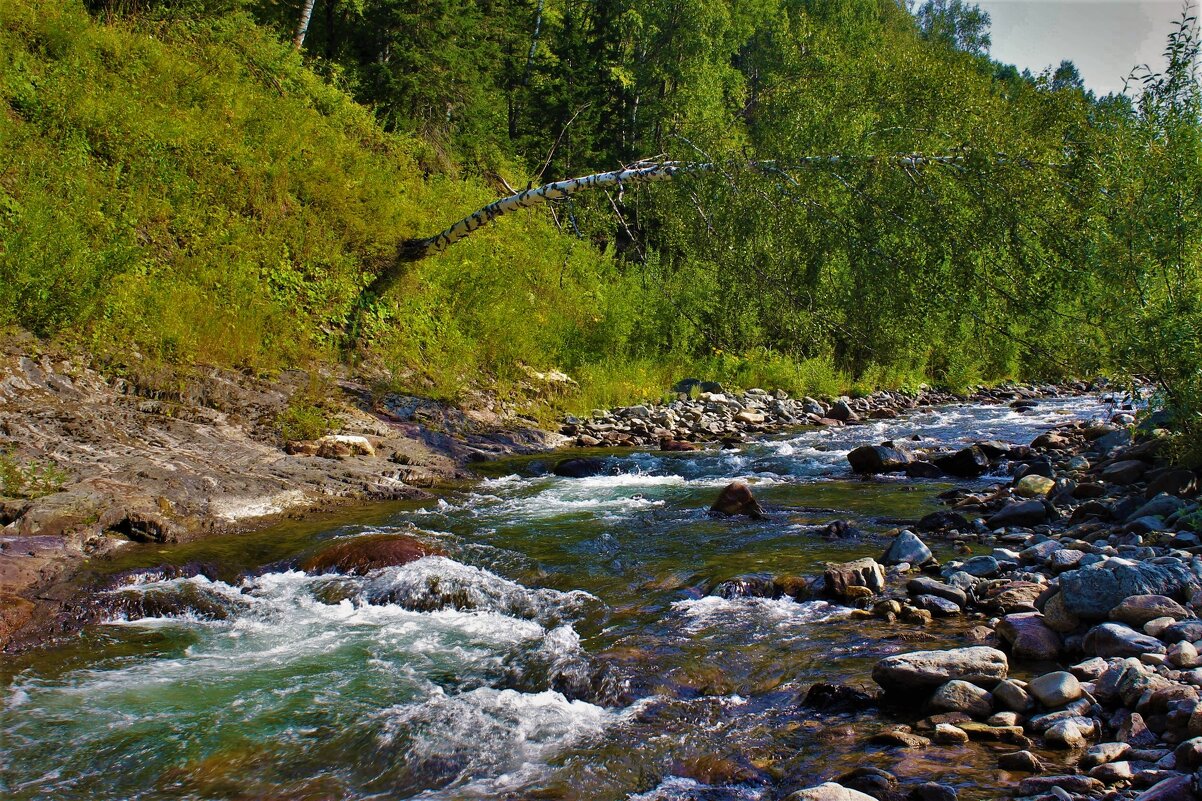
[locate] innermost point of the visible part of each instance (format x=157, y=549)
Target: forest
x=223, y=182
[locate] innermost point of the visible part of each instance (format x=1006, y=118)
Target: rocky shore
x=1087, y=577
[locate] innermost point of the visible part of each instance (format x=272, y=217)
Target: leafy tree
x=956, y=23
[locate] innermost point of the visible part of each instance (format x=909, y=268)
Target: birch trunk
x=302, y=25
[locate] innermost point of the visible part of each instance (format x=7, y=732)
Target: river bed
x=565, y=645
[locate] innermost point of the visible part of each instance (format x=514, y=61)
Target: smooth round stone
x=1184, y=655
x=1020, y=760
x=947, y=734
x=981, y=566
x=1055, y=689
x=1113, y=639
x=1011, y=694
x=961, y=696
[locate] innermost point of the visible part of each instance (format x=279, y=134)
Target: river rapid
x=566, y=645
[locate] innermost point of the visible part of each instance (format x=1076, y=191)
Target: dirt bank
x=105, y=460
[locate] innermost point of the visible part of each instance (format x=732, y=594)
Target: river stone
x=932, y=791
x=1056, y=689
x=1012, y=695
x=981, y=566
x=1023, y=761
x=942, y=521
x=1032, y=486
x=907, y=547
x=1020, y=513
x=968, y=462
x=947, y=734
x=924, y=585
x=736, y=499
x=939, y=607
x=1056, y=615
x=873, y=781
x=1112, y=773
x=1065, y=734
x=1136, y=610
x=1127, y=471
x=859, y=573
x=1163, y=505
x=1174, y=788
x=842, y=411
x=1190, y=630
x=829, y=791
x=1092, y=591
x=869, y=459
x=1183, y=655
x=960, y=696
x=1113, y=639
x=1103, y=753
x=927, y=670
x=1042, y=785
x=1029, y=637
x=1065, y=559
x=578, y=467
x=917, y=469
x=366, y=553
x=1180, y=482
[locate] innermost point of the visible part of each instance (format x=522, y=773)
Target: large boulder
x=908, y=548
x=736, y=499
x=924, y=671
x=579, y=467
x=870, y=459
x=1092, y=591
x=363, y=554
x=866, y=573
x=966, y=463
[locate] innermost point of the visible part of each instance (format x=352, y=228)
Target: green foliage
x=29, y=479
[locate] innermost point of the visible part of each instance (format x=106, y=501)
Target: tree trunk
x=302, y=25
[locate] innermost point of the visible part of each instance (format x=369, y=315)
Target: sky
x=1104, y=38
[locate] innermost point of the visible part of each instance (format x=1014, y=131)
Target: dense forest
x=221, y=181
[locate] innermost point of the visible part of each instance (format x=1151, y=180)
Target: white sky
x=1104, y=38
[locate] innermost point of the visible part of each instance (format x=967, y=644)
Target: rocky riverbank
x=1091, y=584
x=91, y=462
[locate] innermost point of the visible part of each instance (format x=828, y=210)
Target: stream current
x=564, y=647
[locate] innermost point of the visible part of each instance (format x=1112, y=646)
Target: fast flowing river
x=564, y=648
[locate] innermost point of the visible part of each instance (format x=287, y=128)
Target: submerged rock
x=869, y=459
x=969, y=462
x=584, y=467
x=908, y=548
x=842, y=580
x=736, y=499
x=364, y=554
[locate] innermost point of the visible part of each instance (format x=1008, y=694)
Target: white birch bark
x=302, y=25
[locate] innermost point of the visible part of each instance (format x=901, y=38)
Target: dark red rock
x=363, y=554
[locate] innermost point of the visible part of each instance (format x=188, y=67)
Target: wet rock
x=1055, y=689
x=938, y=607
x=1112, y=772
x=932, y=791
x=747, y=587
x=366, y=553
x=907, y=547
x=983, y=732
x=1113, y=639
x=899, y=737
x=880, y=784
x=943, y=521
x=969, y=462
x=840, y=410
x=1021, y=513
x=947, y=734
x=1032, y=486
x=837, y=698
x=867, y=573
x=1137, y=610
x=736, y=499
x=1023, y=761
x=829, y=791
x=713, y=769
x=1103, y=753
x=924, y=585
x=918, y=469
x=1094, y=590
x=583, y=467
x=872, y=459
x=1057, y=617
x=981, y=566
x=927, y=670
x=960, y=696
x=1029, y=637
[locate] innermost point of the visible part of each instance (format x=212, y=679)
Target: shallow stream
x=565, y=647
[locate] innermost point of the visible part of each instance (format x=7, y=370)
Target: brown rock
x=366, y=553
x=1029, y=637
x=736, y=499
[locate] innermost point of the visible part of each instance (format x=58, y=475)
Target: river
x=565, y=647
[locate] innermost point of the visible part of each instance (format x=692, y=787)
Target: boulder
x=938, y=607
x=1013, y=695
x=1137, y=610
x=865, y=573
x=1032, y=486
x=923, y=671
x=1113, y=639
x=829, y=791
x=960, y=696
x=842, y=411
x=1019, y=513
x=1094, y=590
x=736, y=499
x=871, y=459
x=1180, y=482
x=1023, y=761
x=969, y=462
x=943, y=521
x=1029, y=637
x=580, y=467
x=1065, y=734
x=1127, y=471
x=1057, y=617
x=366, y=553
x=917, y=469
x=907, y=547
x=924, y=585
x=1056, y=689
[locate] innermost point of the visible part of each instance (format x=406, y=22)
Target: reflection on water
x=564, y=648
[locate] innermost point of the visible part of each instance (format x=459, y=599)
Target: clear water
x=564, y=648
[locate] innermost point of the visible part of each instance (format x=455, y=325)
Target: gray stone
x=829, y=791
x=1012, y=695
x=1057, y=617
x=981, y=566
x=927, y=670
x=1112, y=772
x=932, y=791
x=939, y=607
x=1093, y=591
x=1163, y=505
x=1065, y=734
x=1173, y=788
x=1055, y=689
x=907, y=547
x=1113, y=639
x=1021, y=761
x=968, y=462
x=924, y=585
x=1103, y=753
x=870, y=459
x=1127, y=471
x=1040, y=785
x=960, y=696
x=1029, y=637
x=1190, y=630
